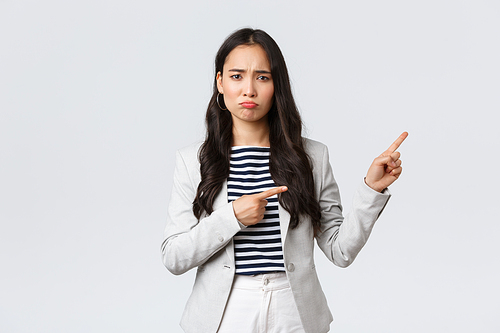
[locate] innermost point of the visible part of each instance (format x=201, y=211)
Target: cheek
x=230, y=92
x=269, y=94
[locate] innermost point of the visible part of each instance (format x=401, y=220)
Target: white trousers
x=261, y=304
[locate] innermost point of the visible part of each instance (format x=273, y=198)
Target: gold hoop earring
x=217, y=99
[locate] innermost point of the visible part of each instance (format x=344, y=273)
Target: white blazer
x=208, y=243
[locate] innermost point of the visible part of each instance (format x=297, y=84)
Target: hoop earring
x=218, y=102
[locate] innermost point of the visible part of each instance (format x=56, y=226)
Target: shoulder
x=311, y=144
x=191, y=149
x=318, y=157
x=190, y=153
x=315, y=149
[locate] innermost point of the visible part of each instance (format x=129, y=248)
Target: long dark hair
x=288, y=162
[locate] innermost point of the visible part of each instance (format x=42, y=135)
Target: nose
x=249, y=90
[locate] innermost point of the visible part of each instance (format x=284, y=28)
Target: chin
x=248, y=114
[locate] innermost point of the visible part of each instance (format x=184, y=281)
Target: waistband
x=267, y=282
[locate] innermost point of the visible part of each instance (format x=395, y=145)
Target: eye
x=263, y=78
x=236, y=76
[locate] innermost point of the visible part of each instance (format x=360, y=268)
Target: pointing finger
x=395, y=145
x=271, y=192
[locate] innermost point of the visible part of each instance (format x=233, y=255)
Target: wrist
x=373, y=187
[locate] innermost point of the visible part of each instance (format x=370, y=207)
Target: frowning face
x=246, y=84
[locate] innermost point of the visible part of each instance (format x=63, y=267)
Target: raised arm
x=342, y=239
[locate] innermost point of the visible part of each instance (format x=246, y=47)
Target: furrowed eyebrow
x=243, y=71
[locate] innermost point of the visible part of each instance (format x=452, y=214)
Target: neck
x=251, y=133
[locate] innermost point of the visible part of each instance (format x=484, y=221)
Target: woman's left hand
x=386, y=168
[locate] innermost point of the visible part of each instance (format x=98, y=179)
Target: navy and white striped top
x=257, y=248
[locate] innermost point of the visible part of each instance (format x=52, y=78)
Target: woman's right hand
x=250, y=209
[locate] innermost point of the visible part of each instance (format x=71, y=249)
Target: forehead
x=248, y=56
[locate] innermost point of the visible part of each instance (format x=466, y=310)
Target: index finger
x=395, y=145
x=271, y=192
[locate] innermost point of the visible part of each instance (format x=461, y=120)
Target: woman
x=249, y=201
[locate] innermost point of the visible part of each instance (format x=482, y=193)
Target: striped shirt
x=257, y=248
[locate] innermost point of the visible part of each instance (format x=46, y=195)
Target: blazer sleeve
x=189, y=242
x=342, y=239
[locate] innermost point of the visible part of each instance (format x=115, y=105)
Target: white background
x=96, y=96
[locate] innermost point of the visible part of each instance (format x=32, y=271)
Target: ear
x=219, y=83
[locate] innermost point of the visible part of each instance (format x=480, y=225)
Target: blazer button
x=291, y=267
x=221, y=239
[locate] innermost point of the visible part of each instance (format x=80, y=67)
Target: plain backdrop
x=96, y=96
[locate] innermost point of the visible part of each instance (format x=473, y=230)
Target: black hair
x=289, y=163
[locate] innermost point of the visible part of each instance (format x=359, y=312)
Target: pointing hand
x=386, y=168
x=250, y=209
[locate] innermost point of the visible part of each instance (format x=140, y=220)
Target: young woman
x=249, y=201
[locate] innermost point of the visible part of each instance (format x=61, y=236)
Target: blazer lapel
x=284, y=223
